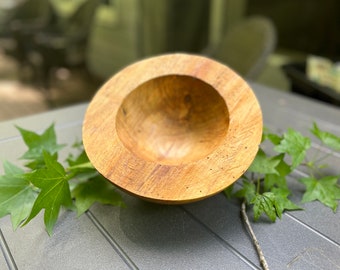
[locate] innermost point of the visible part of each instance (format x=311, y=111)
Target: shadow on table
x=159, y=226
x=170, y=227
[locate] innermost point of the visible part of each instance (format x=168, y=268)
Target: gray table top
x=202, y=235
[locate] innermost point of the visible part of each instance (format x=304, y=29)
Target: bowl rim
x=169, y=183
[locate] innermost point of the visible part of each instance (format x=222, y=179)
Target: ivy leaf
x=327, y=138
x=37, y=144
x=274, y=138
x=295, y=145
x=278, y=179
x=81, y=163
x=96, y=189
x=265, y=203
x=12, y=170
x=82, y=169
x=263, y=164
x=282, y=201
x=55, y=192
x=247, y=191
x=80, y=159
x=17, y=195
x=324, y=190
x=272, y=203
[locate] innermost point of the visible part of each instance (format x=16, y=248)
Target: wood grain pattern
x=173, y=128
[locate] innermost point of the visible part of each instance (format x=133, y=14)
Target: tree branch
x=258, y=248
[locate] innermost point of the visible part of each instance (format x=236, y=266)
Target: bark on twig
x=258, y=248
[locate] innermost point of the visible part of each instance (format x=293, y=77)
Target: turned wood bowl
x=173, y=129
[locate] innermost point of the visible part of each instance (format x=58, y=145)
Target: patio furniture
x=63, y=44
x=247, y=45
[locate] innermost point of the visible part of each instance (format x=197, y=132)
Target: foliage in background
x=47, y=184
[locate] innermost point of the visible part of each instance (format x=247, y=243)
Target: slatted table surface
x=203, y=235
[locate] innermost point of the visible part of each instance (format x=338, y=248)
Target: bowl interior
x=172, y=120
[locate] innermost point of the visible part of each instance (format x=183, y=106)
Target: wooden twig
x=258, y=248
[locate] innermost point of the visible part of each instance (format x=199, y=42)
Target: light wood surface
x=174, y=128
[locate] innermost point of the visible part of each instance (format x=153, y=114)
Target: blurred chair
x=22, y=23
x=63, y=44
x=247, y=45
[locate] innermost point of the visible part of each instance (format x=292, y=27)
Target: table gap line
x=9, y=139
x=300, y=222
x=306, y=117
x=221, y=240
x=7, y=253
x=122, y=254
x=68, y=125
x=326, y=150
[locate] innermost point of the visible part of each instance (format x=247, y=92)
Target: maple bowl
x=173, y=129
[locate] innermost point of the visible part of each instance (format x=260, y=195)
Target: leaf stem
x=258, y=248
x=258, y=185
x=70, y=176
x=86, y=165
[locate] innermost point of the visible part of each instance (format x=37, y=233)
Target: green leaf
x=80, y=159
x=274, y=138
x=78, y=144
x=263, y=164
x=55, y=192
x=81, y=167
x=17, y=195
x=327, y=138
x=80, y=163
x=325, y=190
x=295, y=145
x=282, y=201
x=37, y=144
x=278, y=179
x=96, y=189
x=12, y=170
x=247, y=191
x=274, y=180
x=265, y=203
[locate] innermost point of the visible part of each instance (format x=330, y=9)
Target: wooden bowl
x=173, y=129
